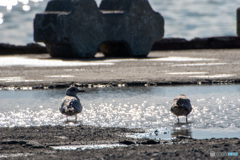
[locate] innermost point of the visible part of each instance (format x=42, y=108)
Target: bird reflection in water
x=181, y=130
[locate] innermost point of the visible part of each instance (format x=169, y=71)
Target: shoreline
x=37, y=142
x=22, y=86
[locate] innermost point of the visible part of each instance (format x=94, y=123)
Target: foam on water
x=214, y=107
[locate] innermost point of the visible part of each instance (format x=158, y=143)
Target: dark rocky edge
x=55, y=85
x=223, y=42
x=6, y=49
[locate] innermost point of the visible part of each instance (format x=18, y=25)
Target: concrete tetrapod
x=78, y=28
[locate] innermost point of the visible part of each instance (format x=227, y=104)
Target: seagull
x=181, y=106
x=71, y=103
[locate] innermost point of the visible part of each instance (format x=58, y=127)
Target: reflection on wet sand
x=181, y=130
x=73, y=122
x=178, y=130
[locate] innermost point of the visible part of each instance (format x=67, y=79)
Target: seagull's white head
x=72, y=91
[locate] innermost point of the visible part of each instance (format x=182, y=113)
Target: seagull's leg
x=76, y=118
x=178, y=119
x=67, y=118
x=186, y=120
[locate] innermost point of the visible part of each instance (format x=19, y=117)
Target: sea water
x=183, y=18
x=216, y=109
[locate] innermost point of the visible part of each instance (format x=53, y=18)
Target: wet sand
x=222, y=66
x=36, y=142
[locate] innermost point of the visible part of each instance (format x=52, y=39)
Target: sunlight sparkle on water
x=141, y=107
x=26, y=8
x=1, y=18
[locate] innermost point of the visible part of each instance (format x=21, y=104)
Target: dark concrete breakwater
x=221, y=42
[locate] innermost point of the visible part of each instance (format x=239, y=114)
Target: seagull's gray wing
x=181, y=105
x=70, y=104
x=184, y=103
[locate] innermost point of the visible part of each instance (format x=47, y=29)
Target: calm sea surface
x=183, y=18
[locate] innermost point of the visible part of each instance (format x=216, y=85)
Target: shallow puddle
x=83, y=147
x=187, y=132
x=215, y=109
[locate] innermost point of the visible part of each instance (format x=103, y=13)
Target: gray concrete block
x=77, y=28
